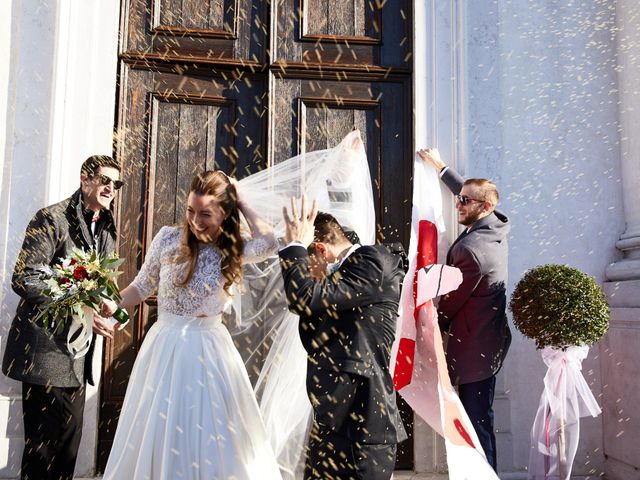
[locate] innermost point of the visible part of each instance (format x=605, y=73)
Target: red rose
x=73, y=261
x=80, y=273
x=63, y=281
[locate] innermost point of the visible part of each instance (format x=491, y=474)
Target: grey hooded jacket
x=474, y=317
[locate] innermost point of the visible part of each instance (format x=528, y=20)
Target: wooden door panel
x=212, y=16
x=190, y=139
x=312, y=114
x=235, y=84
x=320, y=113
x=339, y=33
x=355, y=20
x=218, y=31
x=322, y=125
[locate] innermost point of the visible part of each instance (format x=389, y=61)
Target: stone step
x=406, y=475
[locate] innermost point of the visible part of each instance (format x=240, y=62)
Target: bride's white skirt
x=190, y=411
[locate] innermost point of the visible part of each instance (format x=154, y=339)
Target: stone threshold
x=405, y=475
x=402, y=475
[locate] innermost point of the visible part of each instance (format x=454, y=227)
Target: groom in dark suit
x=347, y=327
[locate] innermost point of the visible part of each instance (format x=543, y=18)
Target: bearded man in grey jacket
x=473, y=318
x=52, y=378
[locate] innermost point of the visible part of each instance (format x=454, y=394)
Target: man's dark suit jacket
x=32, y=353
x=474, y=315
x=347, y=326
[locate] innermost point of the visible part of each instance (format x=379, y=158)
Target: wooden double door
x=239, y=85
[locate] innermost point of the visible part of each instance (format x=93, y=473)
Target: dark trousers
x=331, y=456
x=52, y=430
x=477, y=399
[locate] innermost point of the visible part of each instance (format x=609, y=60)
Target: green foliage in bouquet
x=82, y=279
x=559, y=306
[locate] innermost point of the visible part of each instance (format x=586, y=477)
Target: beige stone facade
x=619, y=353
x=497, y=88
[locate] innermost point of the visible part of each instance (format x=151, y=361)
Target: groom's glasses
x=105, y=180
x=464, y=200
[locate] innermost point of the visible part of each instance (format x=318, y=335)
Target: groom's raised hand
x=299, y=227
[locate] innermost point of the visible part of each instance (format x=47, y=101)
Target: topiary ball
x=559, y=306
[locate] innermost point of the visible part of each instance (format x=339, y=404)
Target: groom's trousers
x=52, y=429
x=331, y=456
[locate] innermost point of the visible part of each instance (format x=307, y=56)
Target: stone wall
x=57, y=104
x=526, y=93
x=619, y=353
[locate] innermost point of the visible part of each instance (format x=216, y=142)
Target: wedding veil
x=265, y=332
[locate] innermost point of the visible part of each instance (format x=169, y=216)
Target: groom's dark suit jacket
x=347, y=327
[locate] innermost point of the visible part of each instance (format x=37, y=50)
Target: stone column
x=27, y=76
x=628, y=24
x=619, y=350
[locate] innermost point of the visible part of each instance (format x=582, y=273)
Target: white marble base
x=620, y=362
x=406, y=475
x=11, y=435
x=616, y=470
x=623, y=270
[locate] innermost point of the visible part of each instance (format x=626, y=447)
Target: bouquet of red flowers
x=77, y=285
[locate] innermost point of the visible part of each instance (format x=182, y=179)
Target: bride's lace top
x=204, y=294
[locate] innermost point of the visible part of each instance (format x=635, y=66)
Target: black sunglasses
x=464, y=200
x=105, y=180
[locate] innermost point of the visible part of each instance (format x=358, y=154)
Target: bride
x=190, y=411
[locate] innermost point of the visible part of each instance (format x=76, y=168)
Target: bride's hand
x=240, y=199
x=431, y=156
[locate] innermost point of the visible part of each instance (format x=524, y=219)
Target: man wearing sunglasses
x=52, y=379
x=473, y=318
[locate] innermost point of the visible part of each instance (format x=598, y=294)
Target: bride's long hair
x=229, y=240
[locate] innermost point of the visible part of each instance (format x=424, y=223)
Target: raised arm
x=263, y=241
x=256, y=224
x=357, y=282
x=451, y=178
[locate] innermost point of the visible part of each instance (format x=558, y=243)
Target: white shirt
x=353, y=248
